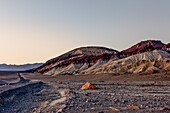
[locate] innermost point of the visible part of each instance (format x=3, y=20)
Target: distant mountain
x=94, y=60
x=24, y=67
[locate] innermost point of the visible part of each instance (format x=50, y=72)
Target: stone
x=59, y=82
x=92, y=108
x=87, y=100
x=133, y=107
x=60, y=111
x=165, y=108
x=89, y=86
x=112, y=108
x=86, y=94
x=141, y=106
x=124, y=101
x=101, y=112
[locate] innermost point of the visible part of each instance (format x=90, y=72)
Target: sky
x=38, y=30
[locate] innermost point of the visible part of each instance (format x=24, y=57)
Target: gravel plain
x=50, y=97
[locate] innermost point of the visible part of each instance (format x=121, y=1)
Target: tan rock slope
x=156, y=60
x=153, y=61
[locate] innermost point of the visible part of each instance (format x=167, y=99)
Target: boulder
x=89, y=86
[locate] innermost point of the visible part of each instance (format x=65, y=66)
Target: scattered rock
x=59, y=82
x=133, y=107
x=112, y=108
x=141, y=106
x=89, y=86
x=87, y=94
x=101, y=112
x=87, y=100
x=77, y=101
x=60, y=110
x=165, y=108
x=124, y=101
x=92, y=108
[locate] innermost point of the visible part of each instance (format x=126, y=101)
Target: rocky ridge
x=93, y=60
x=80, y=56
x=148, y=62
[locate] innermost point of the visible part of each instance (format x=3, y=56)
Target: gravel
x=38, y=98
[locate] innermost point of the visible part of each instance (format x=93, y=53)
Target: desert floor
x=42, y=94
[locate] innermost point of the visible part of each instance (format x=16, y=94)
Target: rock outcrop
x=145, y=57
x=82, y=58
x=167, y=46
x=156, y=61
x=141, y=47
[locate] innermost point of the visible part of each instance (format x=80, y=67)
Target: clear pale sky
x=38, y=30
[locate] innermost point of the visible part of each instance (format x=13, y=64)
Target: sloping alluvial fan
x=144, y=57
